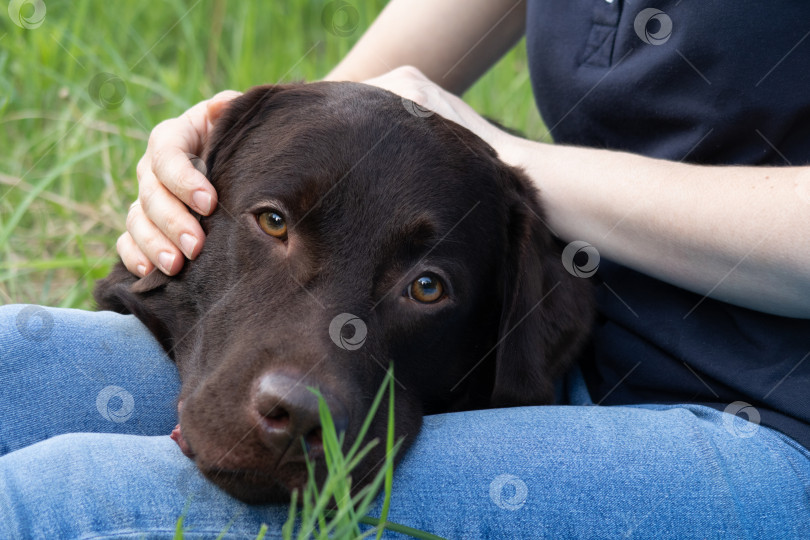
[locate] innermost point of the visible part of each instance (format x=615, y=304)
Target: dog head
x=350, y=235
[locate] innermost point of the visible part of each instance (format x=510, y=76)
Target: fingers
x=161, y=224
x=171, y=218
x=133, y=258
x=410, y=83
x=166, y=160
x=160, y=229
x=406, y=81
x=146, y=241
x=217, y=104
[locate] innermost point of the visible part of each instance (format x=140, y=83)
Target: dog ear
x=156, y=300
x=238, y=117
x=547, y=311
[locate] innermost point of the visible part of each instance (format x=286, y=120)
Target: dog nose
x=288, y=412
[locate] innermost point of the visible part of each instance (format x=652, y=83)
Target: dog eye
x=273, y=224
x=426, y=289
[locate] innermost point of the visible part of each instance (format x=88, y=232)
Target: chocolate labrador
x=354, y=230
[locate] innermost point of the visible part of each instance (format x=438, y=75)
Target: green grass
x=335, y=510
x=67, y=165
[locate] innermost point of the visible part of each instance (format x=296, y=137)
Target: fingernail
x=188, y=243
x=166, y=260
x=202, y=200
x=141, y=269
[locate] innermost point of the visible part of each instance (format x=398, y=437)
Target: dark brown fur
x=374, y=197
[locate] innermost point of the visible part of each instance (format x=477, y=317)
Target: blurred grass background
x=83, y=85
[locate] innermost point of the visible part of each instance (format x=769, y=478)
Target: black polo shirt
x=714, y=83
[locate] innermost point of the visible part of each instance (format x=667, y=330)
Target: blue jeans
x=87, y=401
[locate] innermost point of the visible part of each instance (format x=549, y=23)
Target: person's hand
x=160, y=229
x=410, y=83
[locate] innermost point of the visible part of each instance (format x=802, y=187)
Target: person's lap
x=563, y=471
x=67, y=371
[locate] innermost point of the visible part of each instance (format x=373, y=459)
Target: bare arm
x=737, y=234
x=453, y=42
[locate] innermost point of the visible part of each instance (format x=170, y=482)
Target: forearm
x=452, y=41
x=737, y=234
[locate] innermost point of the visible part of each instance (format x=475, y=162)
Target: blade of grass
x=337, y=485
x=361, y=454
x=287, y=528
x=178, y=528
x=363, y=500
x=228, y=527
x=375, y=404
x=363, y=503
x=389, y=446
x=403, y=529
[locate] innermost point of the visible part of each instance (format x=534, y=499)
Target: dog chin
x=256, y=487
